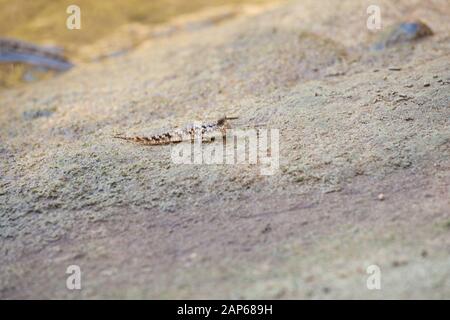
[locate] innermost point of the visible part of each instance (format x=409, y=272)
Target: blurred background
x=43, y=22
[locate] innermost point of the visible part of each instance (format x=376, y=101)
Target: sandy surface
x=140, y=226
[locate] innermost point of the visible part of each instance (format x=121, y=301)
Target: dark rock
x=402, y=33
x=12, y=50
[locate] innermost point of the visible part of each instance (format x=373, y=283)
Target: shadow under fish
x=16, y=51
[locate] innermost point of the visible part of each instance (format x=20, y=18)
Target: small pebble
x=36, y=113
x=426, y=85
x=398, y=263
x=381, y=197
